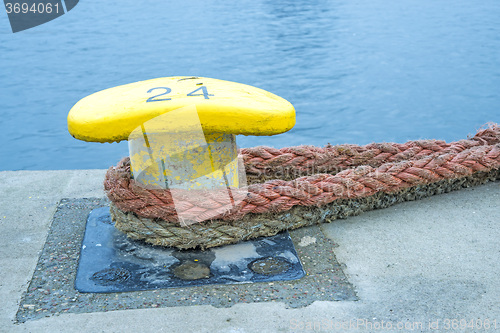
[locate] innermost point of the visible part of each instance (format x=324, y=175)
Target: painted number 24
x=166, y=91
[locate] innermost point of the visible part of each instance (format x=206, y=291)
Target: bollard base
x=111, y=262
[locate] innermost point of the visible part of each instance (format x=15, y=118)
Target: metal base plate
x=111, y=262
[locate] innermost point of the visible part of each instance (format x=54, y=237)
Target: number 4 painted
x=203, y=89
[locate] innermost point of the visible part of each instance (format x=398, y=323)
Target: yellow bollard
x=181, y=130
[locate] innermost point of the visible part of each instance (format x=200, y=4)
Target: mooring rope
x=366, y=170
x=333, y=182
x=305, y=160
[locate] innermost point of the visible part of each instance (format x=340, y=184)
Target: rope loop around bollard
x=293, y=187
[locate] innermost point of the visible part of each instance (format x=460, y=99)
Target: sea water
x=357, y=71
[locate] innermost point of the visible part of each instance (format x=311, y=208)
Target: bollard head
x=111, y=115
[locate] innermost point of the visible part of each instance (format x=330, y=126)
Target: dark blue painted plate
x=111, y=262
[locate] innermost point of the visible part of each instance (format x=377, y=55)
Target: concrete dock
x=424, y=266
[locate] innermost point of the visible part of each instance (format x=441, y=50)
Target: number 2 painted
x=167, y=91
x=152, y=99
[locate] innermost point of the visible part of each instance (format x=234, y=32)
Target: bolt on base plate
x=111, y=262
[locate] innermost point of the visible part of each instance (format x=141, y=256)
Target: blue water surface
x=357, y=71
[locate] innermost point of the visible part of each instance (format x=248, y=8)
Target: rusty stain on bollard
x=192, y=271
x=111, y=276
x=270, y=266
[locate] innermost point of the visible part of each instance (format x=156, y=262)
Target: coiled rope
x=313, y=184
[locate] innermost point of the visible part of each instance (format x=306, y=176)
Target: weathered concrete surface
x=412, y=264
x=52, y=292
